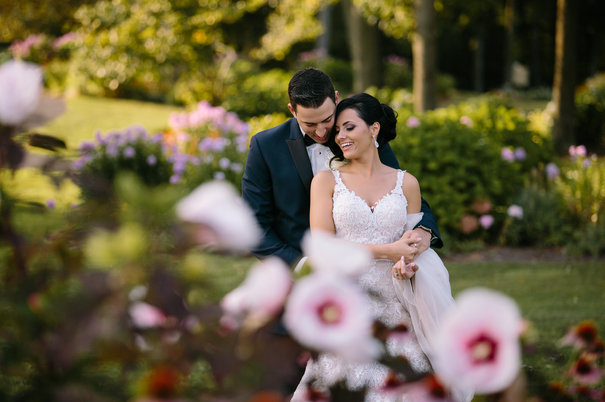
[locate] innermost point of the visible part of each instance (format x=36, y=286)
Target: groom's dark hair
x=310, y=88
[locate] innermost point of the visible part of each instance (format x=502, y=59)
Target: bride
x=367, y=202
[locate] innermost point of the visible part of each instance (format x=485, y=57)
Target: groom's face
x=317, y=123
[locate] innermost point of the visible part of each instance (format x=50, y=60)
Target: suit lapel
x=298, y=150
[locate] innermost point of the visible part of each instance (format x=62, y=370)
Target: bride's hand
x=407, y=247
x=403, y=271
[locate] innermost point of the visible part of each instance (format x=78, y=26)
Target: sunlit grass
x=84, y=116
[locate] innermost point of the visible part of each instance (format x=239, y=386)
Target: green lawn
x=84, y=116
x=552, y=296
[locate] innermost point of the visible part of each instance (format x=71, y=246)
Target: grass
x=551, y=296
x=84, y=116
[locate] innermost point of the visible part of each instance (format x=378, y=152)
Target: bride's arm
x=320, y=215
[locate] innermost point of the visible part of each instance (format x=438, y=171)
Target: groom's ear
x=336, y=97
x=292, y=110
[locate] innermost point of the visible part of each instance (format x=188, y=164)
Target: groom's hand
x=425, y=241
x=406, y=247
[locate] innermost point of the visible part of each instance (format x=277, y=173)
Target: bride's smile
x=352, y=133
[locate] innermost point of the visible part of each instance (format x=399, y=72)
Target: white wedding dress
x=418, y=303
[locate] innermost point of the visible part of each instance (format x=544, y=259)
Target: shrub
x=546, y=221
x=472, y=159
x=132, y=150
x=213, y=140
x=582, y=186
x=590, y=105
x=258, y=93
x=397, y=73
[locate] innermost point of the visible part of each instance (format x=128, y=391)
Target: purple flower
x=236, y=167
x=507, y=155
x=50, y=203
x=152, y=160
x=515, y=211
x=486, y=221
x=224, y=163
x=111, y=150
x=579, y=150
x=413, y=122
x=219, y=176
x=129, y=152
x=520, y=154
x=552, y=170
x=586, y=163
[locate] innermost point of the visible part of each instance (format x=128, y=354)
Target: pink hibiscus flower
x=222, y=218
x=477, y=347
x=330, y=314
x=260, y=297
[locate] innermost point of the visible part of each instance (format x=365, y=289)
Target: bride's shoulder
x=410, y=181
x=325, y=177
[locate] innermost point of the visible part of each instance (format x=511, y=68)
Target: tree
x=364, y=45
x=564, y=79
x=424, y=51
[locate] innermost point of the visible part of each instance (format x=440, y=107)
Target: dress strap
x=398, y=188
x=336, y=174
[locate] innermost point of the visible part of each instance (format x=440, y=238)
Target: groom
x=282, y=161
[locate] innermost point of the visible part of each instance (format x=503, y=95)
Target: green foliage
x=477, y=153
x=209, y=143
x=590, y=106
x=582, y=186
x=546, y=221
x=258, y=94
x=133, y=150
x=398, y=73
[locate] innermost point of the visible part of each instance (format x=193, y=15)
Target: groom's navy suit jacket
x=276, y=184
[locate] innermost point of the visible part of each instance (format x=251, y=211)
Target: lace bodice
x=355, y=220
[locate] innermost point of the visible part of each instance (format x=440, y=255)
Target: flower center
x=483, y=349
x=329, y=312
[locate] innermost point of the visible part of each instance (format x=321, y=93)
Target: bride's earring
x=375, y=142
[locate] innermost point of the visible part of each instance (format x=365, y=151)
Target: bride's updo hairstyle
x=370, y=110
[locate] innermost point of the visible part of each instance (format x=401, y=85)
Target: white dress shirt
x=319, y=155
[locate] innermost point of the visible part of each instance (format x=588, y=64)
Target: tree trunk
x=364, y=45
x=424, y=55
x=479, y=59
x=509, y=22
x=564, y=80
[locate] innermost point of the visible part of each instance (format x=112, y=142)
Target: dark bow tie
x=308, y=140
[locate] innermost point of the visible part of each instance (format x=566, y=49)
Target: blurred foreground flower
x=329, y=254
x=144, y=315
x=20, y=91
x=477, y=346
x=260, y=297
x=330, y=314
x=221, y=217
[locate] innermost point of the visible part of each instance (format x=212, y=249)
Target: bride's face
x=353, y=135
